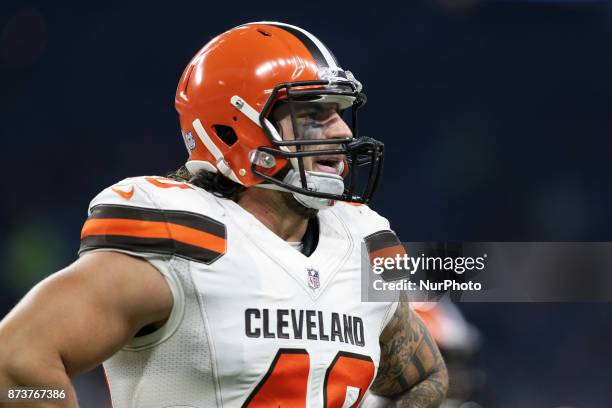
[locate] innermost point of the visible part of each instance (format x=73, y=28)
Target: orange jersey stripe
x=153, y=229
x=388, y=252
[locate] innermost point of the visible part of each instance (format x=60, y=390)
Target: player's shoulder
x=161, y=193
x=361, y=218
x=372, y=229
x=156, y=215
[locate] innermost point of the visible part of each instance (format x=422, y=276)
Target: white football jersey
x=255, y=322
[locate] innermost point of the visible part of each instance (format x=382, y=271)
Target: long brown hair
x=212, y=182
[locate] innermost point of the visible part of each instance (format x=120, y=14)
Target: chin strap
x=316, y=181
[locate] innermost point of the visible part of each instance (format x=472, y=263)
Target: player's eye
x=310, y=114
x=319, y=113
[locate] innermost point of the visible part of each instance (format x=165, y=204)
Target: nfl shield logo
x=313, y=278
x=189, y=141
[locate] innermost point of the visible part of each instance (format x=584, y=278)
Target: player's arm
x=412, y=372
x=77, y=318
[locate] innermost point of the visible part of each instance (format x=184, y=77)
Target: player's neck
x=274, y=211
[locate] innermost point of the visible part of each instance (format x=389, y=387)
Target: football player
x=236, y=281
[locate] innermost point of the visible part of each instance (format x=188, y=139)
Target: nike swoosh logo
x=125, y=194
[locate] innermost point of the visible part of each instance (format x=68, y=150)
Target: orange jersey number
x=163, y=182
x=286, y=382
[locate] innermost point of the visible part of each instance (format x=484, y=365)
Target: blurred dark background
x=496, y=116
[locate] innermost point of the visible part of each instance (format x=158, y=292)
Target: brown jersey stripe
x=185, y=218
x=380, y=240
x=153, y=229
x=150, y=245
x=385, y=244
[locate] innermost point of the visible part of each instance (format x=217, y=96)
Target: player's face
x=317, y=121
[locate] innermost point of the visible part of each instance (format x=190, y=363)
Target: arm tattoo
x=411, y=367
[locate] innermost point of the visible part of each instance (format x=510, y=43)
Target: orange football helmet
x=229, y=89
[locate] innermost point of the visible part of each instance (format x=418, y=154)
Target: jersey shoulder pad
x=374, y=229
x=155, y=215
x=361, y=218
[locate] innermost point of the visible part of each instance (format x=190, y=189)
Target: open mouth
x=327, y=165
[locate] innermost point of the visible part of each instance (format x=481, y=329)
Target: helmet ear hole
x=226, y=134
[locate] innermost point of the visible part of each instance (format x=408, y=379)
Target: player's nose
x=337, y=128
